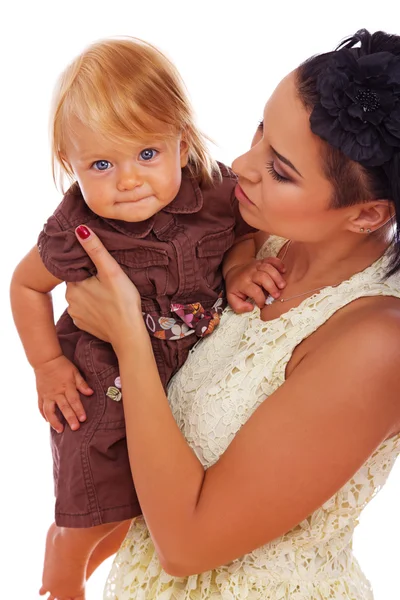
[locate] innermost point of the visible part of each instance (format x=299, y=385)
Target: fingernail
x=83, y=232
x=281, y=285
x=82, y=418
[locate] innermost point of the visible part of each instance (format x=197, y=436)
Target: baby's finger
x=82, y=386
x=275, y=262
x=273, y=273
x=40, y=406
x=70, y=416
x=49, y=409
x=256, y=292
x=238, y=304
x=264, y=280
x=75, y=403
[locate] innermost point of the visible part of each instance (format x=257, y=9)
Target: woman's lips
x=241, y=196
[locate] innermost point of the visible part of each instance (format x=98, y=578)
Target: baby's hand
x=57, y=382
x=253, y=280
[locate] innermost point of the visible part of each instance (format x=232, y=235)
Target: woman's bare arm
x=298, y=448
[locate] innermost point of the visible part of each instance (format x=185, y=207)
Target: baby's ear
x=65, y=161
x=184, y=151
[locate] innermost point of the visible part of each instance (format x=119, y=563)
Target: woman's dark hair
x=364, y=172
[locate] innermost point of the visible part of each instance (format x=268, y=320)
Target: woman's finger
x=102, y=259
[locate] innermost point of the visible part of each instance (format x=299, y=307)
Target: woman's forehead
x=287, y=126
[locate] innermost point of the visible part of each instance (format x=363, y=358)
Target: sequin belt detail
x=191, y=319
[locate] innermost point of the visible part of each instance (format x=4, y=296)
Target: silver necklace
x=271, y=299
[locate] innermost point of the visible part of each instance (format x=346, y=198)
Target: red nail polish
x=83, y=232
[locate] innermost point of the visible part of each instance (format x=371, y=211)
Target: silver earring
x=368, y=230
x=362, y=230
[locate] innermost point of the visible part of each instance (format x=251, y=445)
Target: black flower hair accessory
x=359, y=108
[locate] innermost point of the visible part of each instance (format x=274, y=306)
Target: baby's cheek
x=170, y=188
x=98, y=203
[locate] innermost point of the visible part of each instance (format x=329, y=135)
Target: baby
x=142, y=178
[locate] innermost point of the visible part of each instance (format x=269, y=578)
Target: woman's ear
x=370, y=216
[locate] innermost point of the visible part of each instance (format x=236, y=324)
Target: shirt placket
x=168, y=230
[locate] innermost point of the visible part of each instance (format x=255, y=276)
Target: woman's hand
x=108, y=305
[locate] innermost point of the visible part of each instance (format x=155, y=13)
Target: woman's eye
x=101, y=165
x=148, y=154
x=275, y=175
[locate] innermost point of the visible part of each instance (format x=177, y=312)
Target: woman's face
x=282, y=188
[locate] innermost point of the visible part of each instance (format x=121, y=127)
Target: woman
x=284, y=423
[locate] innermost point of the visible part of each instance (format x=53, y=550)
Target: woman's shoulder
x=377, y=320
x=368, y=326
x=366, y=330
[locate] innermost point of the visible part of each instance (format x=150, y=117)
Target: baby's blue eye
x=101, y=165
x=148, y=154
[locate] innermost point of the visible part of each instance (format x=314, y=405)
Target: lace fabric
x=222, y=383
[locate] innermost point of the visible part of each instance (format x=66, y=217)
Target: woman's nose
x=246, y=166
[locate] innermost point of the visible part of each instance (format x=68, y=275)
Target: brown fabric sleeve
x=61, y=252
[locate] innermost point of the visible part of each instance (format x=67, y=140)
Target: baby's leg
x=107, y=547
x=67, y=556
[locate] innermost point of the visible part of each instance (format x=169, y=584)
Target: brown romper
x=175, y=260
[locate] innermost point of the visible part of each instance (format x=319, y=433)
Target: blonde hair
x=123, y=88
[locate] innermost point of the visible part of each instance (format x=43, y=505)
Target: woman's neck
x=328, y=263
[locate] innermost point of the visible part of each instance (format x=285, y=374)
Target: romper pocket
x=147, y=268
x=98, y=365
x=210, y=252
x=109, y=385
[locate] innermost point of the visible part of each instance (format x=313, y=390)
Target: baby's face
x=130, y=182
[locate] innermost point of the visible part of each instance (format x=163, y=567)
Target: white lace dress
x=223, y=381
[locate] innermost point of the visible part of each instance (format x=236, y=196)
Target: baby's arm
x=57, y=379
x=247, y=277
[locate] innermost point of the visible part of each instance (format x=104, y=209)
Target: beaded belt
x=191, y=319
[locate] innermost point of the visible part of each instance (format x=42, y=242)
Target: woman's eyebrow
x=286, y=161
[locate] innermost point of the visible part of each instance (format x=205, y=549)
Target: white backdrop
x=231, y=55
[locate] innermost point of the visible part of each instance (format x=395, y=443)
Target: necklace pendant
x=269, y=300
